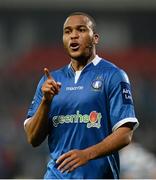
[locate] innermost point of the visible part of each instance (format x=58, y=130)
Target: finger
x=74, y=167
x=51, y=91
x=46, y=72
x=62, y=157
x=48, y=88
x=66, y=161
x=69, y=165
x=59, y=85
x=53, y=84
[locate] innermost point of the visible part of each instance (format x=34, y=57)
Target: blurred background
x=31, y=39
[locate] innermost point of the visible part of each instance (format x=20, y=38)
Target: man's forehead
x=77, y=20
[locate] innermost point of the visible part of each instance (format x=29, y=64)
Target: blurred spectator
x=137, y=162
x=7, y=163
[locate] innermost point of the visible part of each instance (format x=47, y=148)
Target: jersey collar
x=95, y=61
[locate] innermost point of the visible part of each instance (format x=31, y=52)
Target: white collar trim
x=95, y=61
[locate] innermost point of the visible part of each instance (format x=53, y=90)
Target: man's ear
x=96, y=38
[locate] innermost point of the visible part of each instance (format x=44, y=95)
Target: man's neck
x=78, y=65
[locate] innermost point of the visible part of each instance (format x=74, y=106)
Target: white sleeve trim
x=126, y=120
x=25, y=122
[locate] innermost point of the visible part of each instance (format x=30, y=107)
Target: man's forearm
x=37, y=127
x=74, y=158
x=114, y=142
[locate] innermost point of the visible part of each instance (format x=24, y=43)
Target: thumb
x=59, y=84
x=46, y=72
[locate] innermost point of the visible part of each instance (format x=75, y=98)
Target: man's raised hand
x=50, y=87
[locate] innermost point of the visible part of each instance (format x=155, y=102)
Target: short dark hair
x=88, y=16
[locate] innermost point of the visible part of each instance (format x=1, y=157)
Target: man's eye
x=66, y=32
x=82, y=29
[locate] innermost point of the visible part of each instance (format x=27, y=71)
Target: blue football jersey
x=91, y=104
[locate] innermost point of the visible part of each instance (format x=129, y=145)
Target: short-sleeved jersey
x=91, y=104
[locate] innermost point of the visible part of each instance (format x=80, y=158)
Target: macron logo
x=74, y=88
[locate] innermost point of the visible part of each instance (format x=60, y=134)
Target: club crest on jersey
x=97, y=84
x=91, y=120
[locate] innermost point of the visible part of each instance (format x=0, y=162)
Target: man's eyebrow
x=67, y=27
x=77, y=26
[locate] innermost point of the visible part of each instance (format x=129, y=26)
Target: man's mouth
x=74, y=46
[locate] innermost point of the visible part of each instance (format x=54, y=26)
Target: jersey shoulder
x=108, y=67
x=107, y=64
x=59, y=71
x=113, y=70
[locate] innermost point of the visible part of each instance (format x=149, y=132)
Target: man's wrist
x=46, y=101
x=90, y=153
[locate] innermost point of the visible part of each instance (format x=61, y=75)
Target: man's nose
x=74, y=34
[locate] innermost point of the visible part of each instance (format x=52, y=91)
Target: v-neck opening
x=77, y=75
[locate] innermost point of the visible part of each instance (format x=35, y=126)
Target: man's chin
x=75, y=55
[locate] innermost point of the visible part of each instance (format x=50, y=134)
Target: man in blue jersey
x=85, y=109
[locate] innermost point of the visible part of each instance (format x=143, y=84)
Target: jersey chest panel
x=86, y=95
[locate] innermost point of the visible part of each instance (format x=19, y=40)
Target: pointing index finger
x=46, y=71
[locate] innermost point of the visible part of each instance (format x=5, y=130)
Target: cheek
x=87, y=40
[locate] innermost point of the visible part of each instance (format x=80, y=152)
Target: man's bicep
x=36, y=100
x=120, y=100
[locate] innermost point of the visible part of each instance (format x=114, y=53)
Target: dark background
x=31, y=39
